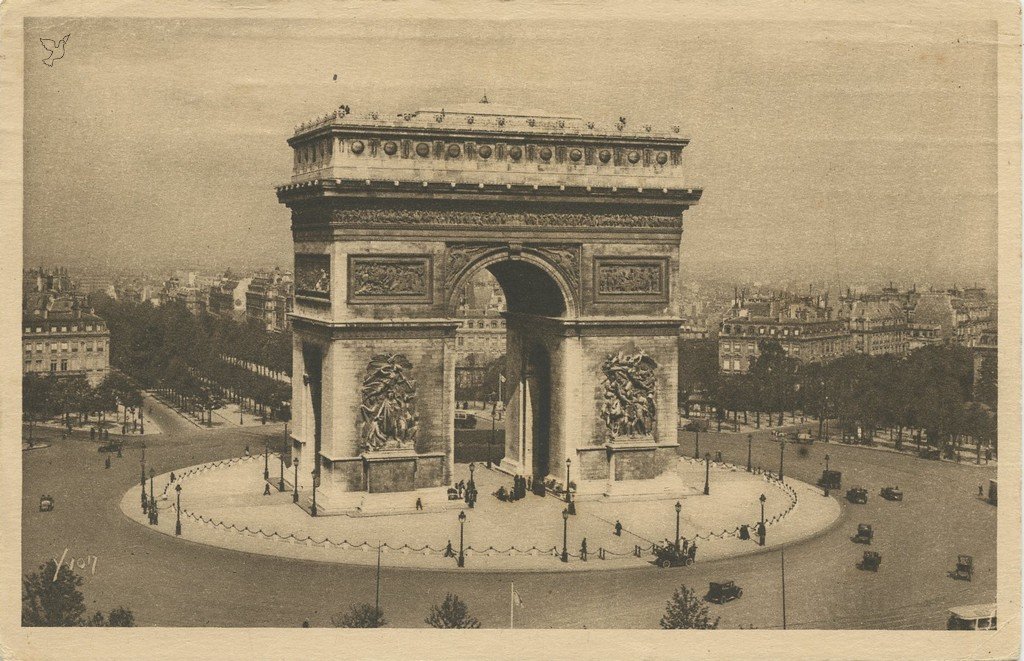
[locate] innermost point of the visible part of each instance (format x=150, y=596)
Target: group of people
x=467, y=492
x=520, y=485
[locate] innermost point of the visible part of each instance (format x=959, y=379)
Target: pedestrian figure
x=305, y=624
x=693, y=552
x=684, y=546
x=760, y=533
x=618, y=528
x=172, y=476
x=419, y=503
x=529, y=482
x=106, y=464
x=124, y=429
x=449, y=552
x=119, y=451
x=266, y=489
x=583, y=550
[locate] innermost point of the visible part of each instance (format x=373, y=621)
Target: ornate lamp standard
x=152, y=499
x=266, y=459
x=707, y=473
x=462, y=538
x=762, y=499
x=472, y=467
x=696, y=442
x=571, y=506
x=316, y=482
x=825, y=481
x=145, y=501
x=295, y=492
x=565, y=535
x=782, y=454
x=679, y=508
x=280, y=484
x=177, y=523
x=750, y=443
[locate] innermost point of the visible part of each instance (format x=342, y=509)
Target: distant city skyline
x=854, y=157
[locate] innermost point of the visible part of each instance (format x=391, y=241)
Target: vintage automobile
x=857, y=495
x=46, y=503
x=930, y=454
x=964, y=567
x=831, y=479
x=870, y=561
x=723, y=591
x=892, y=493
x=453, y=493
x=802, y=437
x=465, y=420
x=981, y=617
x=864, y=533
x=668, y=555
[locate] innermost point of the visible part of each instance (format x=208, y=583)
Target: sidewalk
x=223, y=505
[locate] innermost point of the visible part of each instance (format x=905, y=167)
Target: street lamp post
x=266, y=460
x=177, y=523
x=565, y=535
x=280, y=484
x=750, y=447
x=472, y=468
x=782, y=455
x=826, y=476
x=762, y=499
x=679, y=508
x=462, y=538
x=707, y=473
x=696, y=443
x=316, y=479
x=295, y=490
x=145, y=501
x=570, y=506
x=152, y=498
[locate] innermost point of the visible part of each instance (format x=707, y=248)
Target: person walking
x=419, y=504
x=693, y=552
x=583, y=550
x=618, y=528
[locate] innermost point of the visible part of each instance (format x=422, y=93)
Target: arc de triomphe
x=581, y=226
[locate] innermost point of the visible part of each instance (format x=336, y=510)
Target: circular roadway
x=172, y=582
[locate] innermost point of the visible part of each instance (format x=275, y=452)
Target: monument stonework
x=580, y=225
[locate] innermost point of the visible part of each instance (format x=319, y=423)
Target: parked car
x=46, y=503
x=864, y=533
x=964, y=567
x=857, y=495
x=892, y=493
x=668, y=555
x=465, y=420
x=929, y=453
x=870, y=561
x=981, y=617
x=723, y=591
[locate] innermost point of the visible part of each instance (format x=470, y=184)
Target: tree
x=453, y=613
x=686, y=611
x=36, y=400
x=986, y=388
x=50, y=598
x=361, y=616
x=47, y=601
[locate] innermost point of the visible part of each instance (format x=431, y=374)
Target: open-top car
x=857, y=495
x=892, y=493
x=864, y=533
x=964, y=567
x=670, y=555
x=870, y=561
x=723, y=591
x=46, y=503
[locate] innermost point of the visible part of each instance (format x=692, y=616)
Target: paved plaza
x=224, y=505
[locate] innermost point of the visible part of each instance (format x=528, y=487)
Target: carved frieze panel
x=421, y=218
x=629, y=403
x=390, y=279
x=313, y=275
x=388, y=410
x=636, y=279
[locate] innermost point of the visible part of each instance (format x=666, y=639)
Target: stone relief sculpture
x=629, y=279
x=629, y=407
x=385, y=277
x=388, y=410
x=313, y=275
x=483, y=218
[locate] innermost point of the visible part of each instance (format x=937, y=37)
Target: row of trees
x=685, y=610
x=45, y=397
x=931, y=391
x=172, y=351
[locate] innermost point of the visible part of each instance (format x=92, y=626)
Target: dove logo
x=54, y=48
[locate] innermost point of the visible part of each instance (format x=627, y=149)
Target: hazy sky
x=840, y=150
